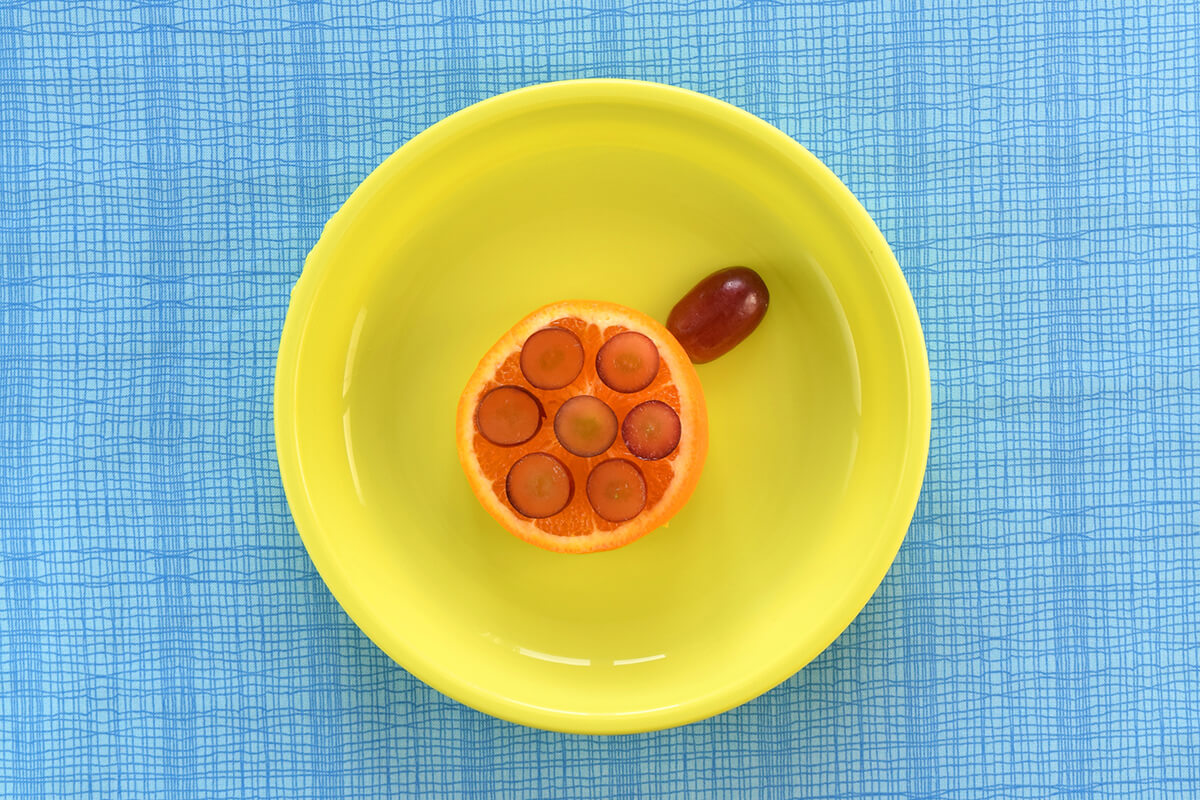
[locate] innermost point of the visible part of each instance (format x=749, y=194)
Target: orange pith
x=578, y=527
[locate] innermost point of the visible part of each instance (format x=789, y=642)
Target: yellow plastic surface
x=626, y=192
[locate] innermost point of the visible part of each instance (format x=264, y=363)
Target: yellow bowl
x=627, y=192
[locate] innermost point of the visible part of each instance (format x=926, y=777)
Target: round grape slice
x=585, y=426
x=539, y=486
x=617, y=490
x=628, y=362
x=651, y=430
x=508, y=416
x=551, y=358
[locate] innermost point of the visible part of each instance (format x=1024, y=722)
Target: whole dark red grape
x=719, y=312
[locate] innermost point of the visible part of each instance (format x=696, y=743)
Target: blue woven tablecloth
x=163, y=171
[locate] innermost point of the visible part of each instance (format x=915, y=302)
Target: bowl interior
x=628, y=193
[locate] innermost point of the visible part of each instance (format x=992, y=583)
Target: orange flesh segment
x=551, y=358
x=651, y=430
x=539, y=485
x=585, y=426
x=508, y=416
x=617, y=490
x=628, y=362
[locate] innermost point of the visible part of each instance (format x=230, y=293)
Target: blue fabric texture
x=165, y=167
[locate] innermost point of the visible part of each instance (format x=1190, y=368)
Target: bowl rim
x=892, y=527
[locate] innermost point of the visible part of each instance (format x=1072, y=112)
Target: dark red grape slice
x=539, y=486
x=628, y=362
x=651, y=430
x=585, y=426
x=617, y=490
x=508, y=416
x=551, y=358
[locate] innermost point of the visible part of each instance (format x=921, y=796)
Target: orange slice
x=583, y=428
